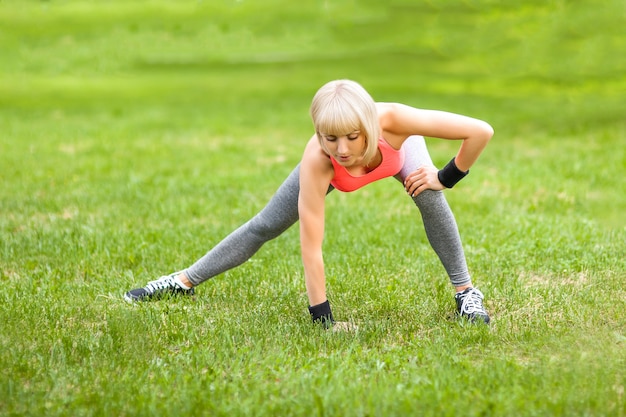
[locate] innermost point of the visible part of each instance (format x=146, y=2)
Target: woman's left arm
x=475, y=134
x=404, y=121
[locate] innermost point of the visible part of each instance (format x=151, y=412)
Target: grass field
x=135, y=135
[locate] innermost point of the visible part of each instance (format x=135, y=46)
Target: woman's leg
x=439, y=222
x=278, y=215
x=443, y=234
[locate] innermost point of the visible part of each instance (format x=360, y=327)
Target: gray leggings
x=282, y=212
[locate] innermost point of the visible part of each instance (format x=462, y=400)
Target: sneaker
x=469, y=304
x=154, y=290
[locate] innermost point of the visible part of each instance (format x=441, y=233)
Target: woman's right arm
x=316, y=173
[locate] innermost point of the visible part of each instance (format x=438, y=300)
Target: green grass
x=135, y=135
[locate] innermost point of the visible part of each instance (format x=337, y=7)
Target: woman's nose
x=342, y=146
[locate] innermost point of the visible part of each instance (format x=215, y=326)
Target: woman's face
x=347, y=149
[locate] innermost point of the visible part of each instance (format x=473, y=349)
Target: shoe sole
x=130, y=299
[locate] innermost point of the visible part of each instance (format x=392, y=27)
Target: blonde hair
x=343, y=106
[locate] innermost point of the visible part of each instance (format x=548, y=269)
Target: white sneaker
x=154, y=290
x=469, y=304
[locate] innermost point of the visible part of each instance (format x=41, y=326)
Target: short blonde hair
x=343, y=106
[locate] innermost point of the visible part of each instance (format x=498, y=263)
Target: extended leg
x=276, y=217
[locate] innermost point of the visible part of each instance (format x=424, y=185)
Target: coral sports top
x=392, y=162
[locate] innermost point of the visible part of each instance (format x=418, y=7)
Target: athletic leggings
x=282, y=212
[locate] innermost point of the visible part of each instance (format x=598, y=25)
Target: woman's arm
x=316, y=173
x=404, y=121
x=400, y=121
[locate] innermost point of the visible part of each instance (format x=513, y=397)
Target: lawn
x=135, y=135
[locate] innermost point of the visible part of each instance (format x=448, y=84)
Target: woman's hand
x=344, y=326
x=424, y=178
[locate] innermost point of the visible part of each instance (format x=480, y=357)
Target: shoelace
x=161, y=284
x=473, y=302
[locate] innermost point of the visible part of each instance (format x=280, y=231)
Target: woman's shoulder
x=386, y=108
x=387, y=118
x=315, y=156
x=390, y=109
x=388, y=114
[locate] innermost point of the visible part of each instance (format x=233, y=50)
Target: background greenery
x=136, y=134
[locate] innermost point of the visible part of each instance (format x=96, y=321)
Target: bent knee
x=430, y=199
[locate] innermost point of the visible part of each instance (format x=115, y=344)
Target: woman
x=357, y=141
